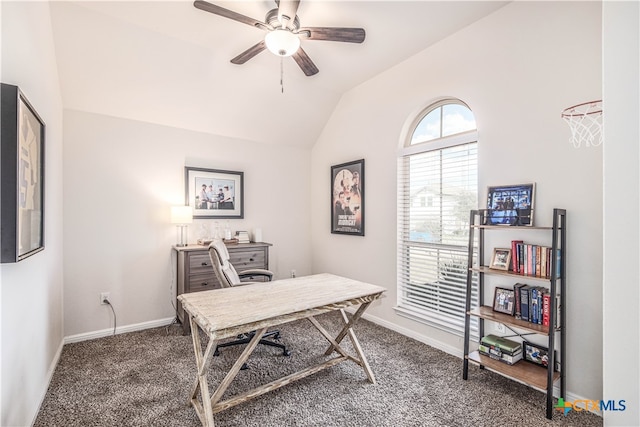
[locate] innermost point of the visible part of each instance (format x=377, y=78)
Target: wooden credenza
x=196, y=274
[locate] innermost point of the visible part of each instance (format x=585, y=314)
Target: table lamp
x=181, y=216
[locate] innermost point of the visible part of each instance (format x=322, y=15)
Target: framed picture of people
x=214, y=193
x=511, y=204
x=347, y=198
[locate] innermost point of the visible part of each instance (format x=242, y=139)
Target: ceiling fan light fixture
x=282, y=42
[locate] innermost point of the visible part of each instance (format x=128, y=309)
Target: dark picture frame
x=504, y=301
x=537, y=354
x=500, y=259
x=511, y=204
x=22, y=138
x=214, y=193
x=347, y=198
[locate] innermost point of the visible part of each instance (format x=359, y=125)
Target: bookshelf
x=537, y=377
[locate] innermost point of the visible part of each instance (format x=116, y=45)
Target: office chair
x=229, y=277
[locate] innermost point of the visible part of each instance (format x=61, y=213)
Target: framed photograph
x=510, y=205
x=347, y=198
x=537, y=354
x=22, y=177
x=500, y=259
x=214, y=193
x=504, y=301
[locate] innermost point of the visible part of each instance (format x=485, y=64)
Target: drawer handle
x=204, y=284
x=250, y=259
x=204, y=264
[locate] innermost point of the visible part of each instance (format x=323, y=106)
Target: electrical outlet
x=500, y=328
x=293, y=273
x=104, y=298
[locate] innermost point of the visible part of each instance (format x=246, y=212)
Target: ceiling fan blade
x=335, y=34
x=304, y=62
x=249, y=53
x=288, y=9
x=221, y=11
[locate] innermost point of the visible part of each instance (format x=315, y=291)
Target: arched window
x=437, y=187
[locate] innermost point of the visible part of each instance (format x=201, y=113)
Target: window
x=438, y=164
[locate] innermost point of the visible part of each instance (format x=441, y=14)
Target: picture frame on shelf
x=500, y=259
x=347, y=198
x=536, y=354
x=504, y=301
x=214, y=193
x=510, y=205
x=22, y=180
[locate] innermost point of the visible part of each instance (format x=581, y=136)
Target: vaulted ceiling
x=167, y=62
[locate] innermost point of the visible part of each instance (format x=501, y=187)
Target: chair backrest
x=226, y=274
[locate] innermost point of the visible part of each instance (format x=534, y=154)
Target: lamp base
x=182, y=236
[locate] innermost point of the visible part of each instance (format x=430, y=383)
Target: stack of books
x=500, y=348
x=242, y=236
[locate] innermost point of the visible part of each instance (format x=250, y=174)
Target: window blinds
x=436, y=190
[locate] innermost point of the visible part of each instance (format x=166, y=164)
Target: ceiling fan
x=284, y=33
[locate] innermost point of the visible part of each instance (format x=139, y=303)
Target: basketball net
x=585, y=122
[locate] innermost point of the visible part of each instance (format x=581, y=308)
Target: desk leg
x=347, y=329
x=203, y=409
x=348, y=325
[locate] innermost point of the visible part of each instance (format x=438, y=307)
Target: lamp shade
x=282, y=42
x=181, y=215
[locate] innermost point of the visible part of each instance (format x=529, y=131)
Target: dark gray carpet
x=144, y=378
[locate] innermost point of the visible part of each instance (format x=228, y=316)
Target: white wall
x=621, y=298
x=121, y=177
x=516, y=76
x=31, y=290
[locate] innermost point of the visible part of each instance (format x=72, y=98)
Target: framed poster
x=510, y=204
x=214, y=193
x=22, y=177
x=347, y=198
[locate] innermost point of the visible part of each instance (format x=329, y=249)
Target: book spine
x=516, y=289
x=540, y=295
x=524, y=300
x=546, y=302
x=534, y=305
x=514, y=255
x=538, y=262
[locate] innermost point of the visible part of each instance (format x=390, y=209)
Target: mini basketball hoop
x=585, y=122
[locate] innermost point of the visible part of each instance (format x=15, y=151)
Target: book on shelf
x=533, y=260
x=515, y=259
x=501, y=348
x=517, y=288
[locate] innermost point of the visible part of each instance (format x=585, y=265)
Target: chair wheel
x=286, y=353
x=276, y=336
x=216, y=353
x=244, y=366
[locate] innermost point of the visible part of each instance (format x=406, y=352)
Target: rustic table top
x=227, y=311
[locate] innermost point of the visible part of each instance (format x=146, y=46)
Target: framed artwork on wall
x=22, y=176
x=214, y=193
x=511, y=204
x=347, y=198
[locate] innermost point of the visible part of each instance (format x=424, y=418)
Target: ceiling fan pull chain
x=282, y=74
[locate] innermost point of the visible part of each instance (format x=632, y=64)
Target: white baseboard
x=119, y=330
x=570, y=397
x=50, y=371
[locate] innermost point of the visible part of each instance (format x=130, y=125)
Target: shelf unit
x=537, y=377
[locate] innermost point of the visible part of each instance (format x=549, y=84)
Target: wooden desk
x=222, y=314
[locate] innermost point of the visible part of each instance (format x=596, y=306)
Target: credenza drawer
x=200, y=263
x=243, y=260
x=202, y=282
